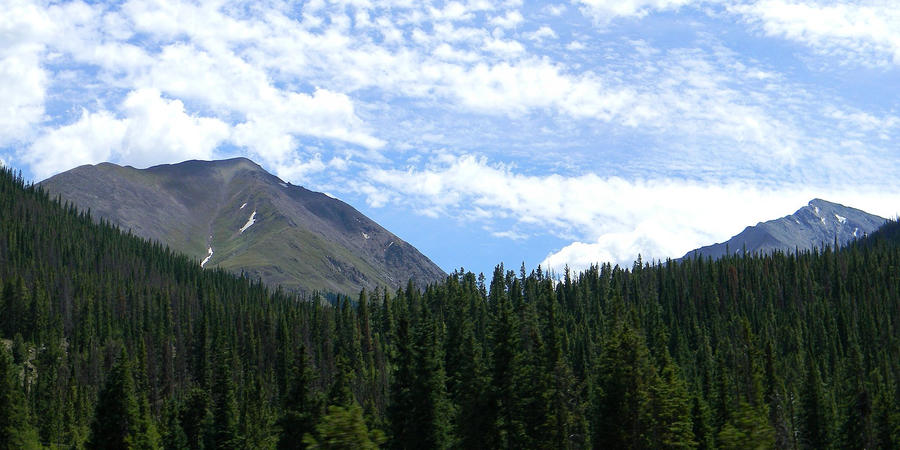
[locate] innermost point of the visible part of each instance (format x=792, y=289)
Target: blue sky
x=481, y=131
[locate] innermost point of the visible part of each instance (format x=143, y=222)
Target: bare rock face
x=817, y=224
x=234, y=215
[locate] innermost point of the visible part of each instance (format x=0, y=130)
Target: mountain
x=234, y=215
x=817, y=224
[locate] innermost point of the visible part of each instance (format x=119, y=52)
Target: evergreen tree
x=224, y=405
x=173, y=436
x=195, y=417
x=670, y=405
x=622, y=418
x=506, y=371
x=813, y=426
x=344, y=428
x=15, y=430
x=301, y=408
x=117, y=420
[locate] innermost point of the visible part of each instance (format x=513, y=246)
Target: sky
x=552, y=133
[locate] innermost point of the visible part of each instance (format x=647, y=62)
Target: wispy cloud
x=865, y=33
x=614, y=219
x=603, y=11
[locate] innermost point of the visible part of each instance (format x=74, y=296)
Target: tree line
x=110, y=341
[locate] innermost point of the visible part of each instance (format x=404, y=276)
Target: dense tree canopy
x=105, y=334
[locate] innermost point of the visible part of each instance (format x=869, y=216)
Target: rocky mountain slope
x=234, y=215
x=817, y=224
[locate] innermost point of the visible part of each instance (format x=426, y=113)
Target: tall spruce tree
x=117, y=419
x=16, y=431
x=224, y=405
x=302, y=408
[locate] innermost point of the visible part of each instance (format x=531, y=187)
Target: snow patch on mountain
x=242, y=206
x=249, y=223
x=206, y=260
x=840, y=218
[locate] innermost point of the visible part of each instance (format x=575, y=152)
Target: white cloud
x=22, y=90
x=511, y=19
x=867, y=32
x=603, y=11
x=153, y=130
x=160, y=131
x=92, y=139
x=244, y=69
x=544, y=32
x=611, y=219
x=452, y=11
x=555, y=10
x=23, y=81
x=858, y=122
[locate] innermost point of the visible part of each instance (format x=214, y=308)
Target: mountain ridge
x=817, y=224
x=235, y=215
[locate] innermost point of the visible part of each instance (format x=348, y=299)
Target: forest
x=110, y=341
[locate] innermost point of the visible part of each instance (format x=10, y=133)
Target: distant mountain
x=817, y=224
x=234, y=215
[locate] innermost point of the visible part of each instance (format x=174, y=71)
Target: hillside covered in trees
x=113, y=342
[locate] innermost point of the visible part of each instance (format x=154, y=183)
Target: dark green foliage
x=195, y=418
x=224, y=405
x=344, y=428
x=791, y=351
x=117, y=420
x=15, y=430
x=814, y=423
x=302, y=408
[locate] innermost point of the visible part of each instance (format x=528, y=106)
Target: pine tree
x=433, y=409
x=195, y=417
x=506, y=370
x=224, y=405
x=344, y=428
x=173, y=436
x=671, y=409
x=117, y=419
x=15, y=430
x=813, y=426
x=622, y=417
x=702, y=423
x=301, y=407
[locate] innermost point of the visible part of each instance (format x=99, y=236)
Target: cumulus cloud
x=22, y=90
x=544, y=32
x=510, y=20
x=152, y=130
x=22, y=79
x=92, y=139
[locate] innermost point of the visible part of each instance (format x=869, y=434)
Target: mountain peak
x=234, y=215
x=818, y=223
x=820, y=202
